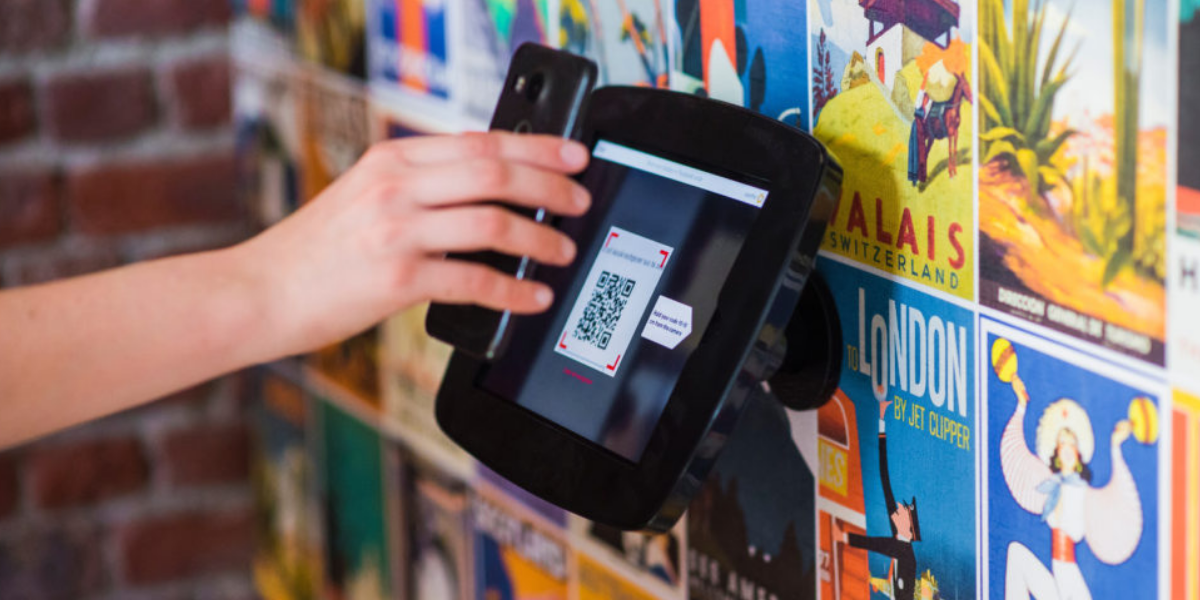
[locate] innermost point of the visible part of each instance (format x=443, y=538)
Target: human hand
x=838, y=534
x=1022, y=393
x=1121, y=432
x=374, y=241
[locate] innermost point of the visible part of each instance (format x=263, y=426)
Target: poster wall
x=1014, y=259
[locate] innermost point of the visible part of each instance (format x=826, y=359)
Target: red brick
x=17, y=117
x=28, y=207
x=33, y=24
x=180, y=546
x=43, y=266
x=86, y=473
x=93, y=107
x=122, y=18
x=209, y=454
x=141, y=196
x=10, y=491
x=52, y=561
x=201, y=91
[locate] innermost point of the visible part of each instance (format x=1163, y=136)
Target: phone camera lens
x=534, y=87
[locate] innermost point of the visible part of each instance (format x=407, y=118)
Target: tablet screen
x=654, y=252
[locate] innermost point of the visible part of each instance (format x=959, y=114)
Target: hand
x=1121, y=432
x=838, y=534
x=883, y=404
x=1022, y=393
x=373, y=242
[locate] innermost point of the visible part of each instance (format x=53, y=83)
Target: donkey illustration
x=937, y=120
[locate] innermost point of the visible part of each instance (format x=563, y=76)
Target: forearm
x=82, y=348
x=369, y=245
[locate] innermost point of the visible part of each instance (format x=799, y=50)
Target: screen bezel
x=583, y=476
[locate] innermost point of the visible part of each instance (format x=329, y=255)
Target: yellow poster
x=893, y=101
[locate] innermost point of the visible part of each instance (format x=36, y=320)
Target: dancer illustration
x=1056, y=484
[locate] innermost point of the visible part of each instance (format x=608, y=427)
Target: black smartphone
x=546, y=91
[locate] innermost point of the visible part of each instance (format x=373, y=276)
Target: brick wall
x=116, y=146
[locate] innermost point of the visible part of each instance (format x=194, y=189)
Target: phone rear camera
x=523, y=127
x=533, y=89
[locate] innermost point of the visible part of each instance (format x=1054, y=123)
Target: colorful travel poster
x=1185, y=243
x=332, y=33
x=492, y=31
x=353, y=365
x=266, y=115
x=1071, y=472
x=751, y=527
x=894, y=101
x=287, y=561
x=438, y=534
x=1185, y=497
x=747, y=53
x=357, y=563
x=650, y=562
x=407, y=45
x=336, y=133
x=1073, y=167
x=264, y=28
x=518, y=554
x=595, y=582
x=897, y=446
x=279, y=14
x=1188, y=193
x=628, y=39
x=412, y=365
x=515, y=494
x=335, y=127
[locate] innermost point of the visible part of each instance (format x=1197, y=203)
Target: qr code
x=603, y=310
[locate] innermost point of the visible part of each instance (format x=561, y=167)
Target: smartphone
x=546, y=91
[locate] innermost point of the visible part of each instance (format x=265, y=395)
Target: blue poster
x=408, y=45
x=897, y=445
x=750, y=528
x=1072, y=473
x=748, y=53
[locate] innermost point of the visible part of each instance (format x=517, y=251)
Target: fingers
x=473, y=228
x=460, y=282
x=1019, y=388
x=491, y=179
x=543, y=151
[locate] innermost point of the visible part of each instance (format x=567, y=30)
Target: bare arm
x=369, y=245
x=81, y=348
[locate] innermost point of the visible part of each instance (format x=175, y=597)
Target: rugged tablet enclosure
x=743, y=353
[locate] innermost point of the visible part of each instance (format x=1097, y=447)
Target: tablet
x=705, y=223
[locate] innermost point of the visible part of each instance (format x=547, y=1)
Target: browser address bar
x=636, y=159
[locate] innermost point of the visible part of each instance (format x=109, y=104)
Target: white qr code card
x=614, y=297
